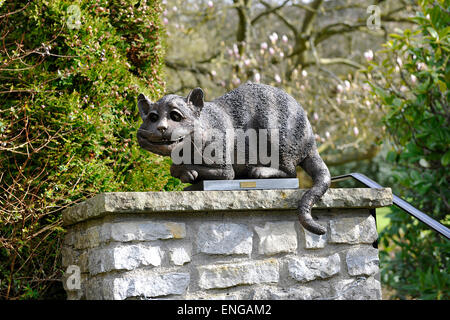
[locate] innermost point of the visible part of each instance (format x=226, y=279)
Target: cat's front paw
x=184, y=173
x=189, y=176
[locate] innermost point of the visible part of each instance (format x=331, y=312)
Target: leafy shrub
x=68, y=120
x=414, y=88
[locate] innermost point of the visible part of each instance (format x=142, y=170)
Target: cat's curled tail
x=318, y=171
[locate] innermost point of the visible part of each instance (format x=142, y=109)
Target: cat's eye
x=153, y=117
x=175, y=116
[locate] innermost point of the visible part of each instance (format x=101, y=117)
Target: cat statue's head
x=167, y=122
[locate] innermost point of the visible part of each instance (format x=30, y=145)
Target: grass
x=382, y=222
x=382, y=219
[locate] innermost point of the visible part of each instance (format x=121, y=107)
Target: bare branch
x=14, y=12
x=268, y=11
x=330, y=61
x=283, y=19
x=356, y=155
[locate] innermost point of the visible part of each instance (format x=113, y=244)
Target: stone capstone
x=239, y=200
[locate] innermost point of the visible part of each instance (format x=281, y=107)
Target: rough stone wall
x=239, y=254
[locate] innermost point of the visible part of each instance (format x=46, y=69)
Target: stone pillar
x=222, y=245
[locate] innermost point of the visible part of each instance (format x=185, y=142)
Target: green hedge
x=415, y=90
x=68, y=120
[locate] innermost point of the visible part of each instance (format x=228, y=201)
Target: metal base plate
x=244, y=184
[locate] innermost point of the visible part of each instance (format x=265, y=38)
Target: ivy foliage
x=70, y=72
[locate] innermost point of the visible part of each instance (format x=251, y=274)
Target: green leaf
x=442, y=86
x=433, y=32
x=445, y=160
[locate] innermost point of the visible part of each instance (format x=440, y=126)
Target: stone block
x=314, y=241
x=224, y=238
x=180, y=255
x=277, y=237
x=353, y=230
x=146, y=231
x=297, y=293
x=122, y=257
x=362, y=261
x=120, y=241
x=358, y=289
x=89, y=238
x=304, y=269
x=233, y=274
x=145, y=285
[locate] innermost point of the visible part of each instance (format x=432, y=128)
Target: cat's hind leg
x=318, y=171
x=266, y=173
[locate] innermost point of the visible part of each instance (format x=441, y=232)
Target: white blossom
x=421, y=66
x=368, y=55
x=347, y=84
x=235, y=49
x=277, y=78
x=273, y=37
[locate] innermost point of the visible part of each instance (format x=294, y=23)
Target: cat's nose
x=162, y=128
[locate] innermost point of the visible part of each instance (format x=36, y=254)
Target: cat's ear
x=143, y=105
x=196, y=97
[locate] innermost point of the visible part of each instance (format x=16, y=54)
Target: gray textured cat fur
x=172, y=124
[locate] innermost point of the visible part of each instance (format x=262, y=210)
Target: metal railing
x=399, y=202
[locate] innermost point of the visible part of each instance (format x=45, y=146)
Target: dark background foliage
x=68, y=120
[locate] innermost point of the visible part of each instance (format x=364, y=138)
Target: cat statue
x=222, y=139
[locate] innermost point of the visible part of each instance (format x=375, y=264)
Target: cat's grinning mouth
x=166, y=142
